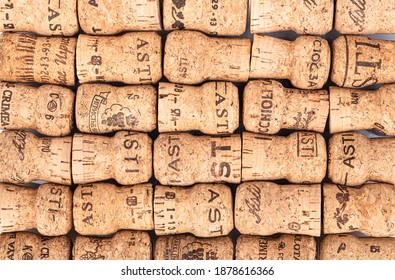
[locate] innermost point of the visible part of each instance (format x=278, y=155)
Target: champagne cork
x=112, y=17
x=212, y=108
x=181, y=159
x=124, y=245
x=299, y=157
x=303, y=17
x=192, y=58
x=132, y=58
x=264, y=208
x=353, y=109
x=100, y=209
x=222, y=18
x=305, y=61
x=26, y=157
x=29, y=246
x=204, y=210
x=354, y=159
x=189, y=247
x=126, y=157
x=102, y=108
x=27, y=58
x=269, y=107
x=285, y=247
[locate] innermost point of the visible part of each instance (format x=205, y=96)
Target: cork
x=125, y=157
x=221, y=18
x=124, y=245
x=27, y=58
x=264, y=208
x=30, y=246
x=285, y=247
x=189, y=247
x=299, y=158
x=354, y=159
x=305, y=61
x=102, y=108
x=353, y=109
x=26, y=157
x=212, y=108
x=192, y=58
x=269, y=107
x=303, y=17
x=181, y=159
x=132, y=58
x=204, y=210
x=112, y=17
x=102, y=208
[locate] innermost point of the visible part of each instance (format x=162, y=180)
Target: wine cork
x=212, y=108
x=26, y=157
x=100, y=209
x=132, y=58
x=192, y=58
x=27, y=58
x=269, y=107
x=124, y=245
x=204, y=210
x=125, y=157
x=29, y=246
x=102, y=108
x=305, y=61
x=189, y=247
x=299, y=157
x=222, y=18
x=181, y=159
x=354, y=159
x=264, y=208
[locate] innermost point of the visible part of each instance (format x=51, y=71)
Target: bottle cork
x=269, y=107
x=354, y=159
x=212, y=108
x=132, y=58
x=264, y=208
x=102, y=108
x=192, y=58
x=102, y=208
x=181, y=159
x=26, y=157
x=204, y=210
x=27, y=58
x=125, y=157
x=222, y=18
x=305, y=61
x=189, y=247
x=29, y=246
x=299, y=157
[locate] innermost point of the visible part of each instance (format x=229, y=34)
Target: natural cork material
x=299, y=157
x=212, y=108
x=124, y=245
x=264, y=208
x=26, y=157
x=305, y=61
x=204, y=210
x=132, y=58
x=354, y=159
x=181, y=159
x=27, y=58
x=102, y=108
x=125, y=157
x=192, y=58
x=100, y=209
x=215, y=17
x=269, y=107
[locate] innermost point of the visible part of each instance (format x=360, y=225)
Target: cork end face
x=340, y=61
